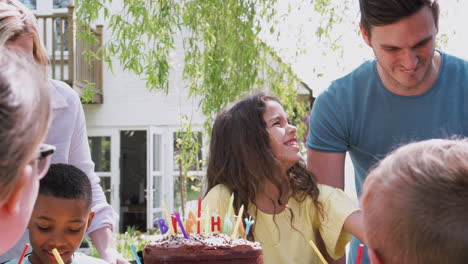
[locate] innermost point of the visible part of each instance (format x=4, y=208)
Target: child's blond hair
x=415, y=204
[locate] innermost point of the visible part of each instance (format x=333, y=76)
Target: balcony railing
x=58, y=33
x=88, y=72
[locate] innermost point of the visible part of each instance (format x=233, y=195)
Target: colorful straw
x=23, y=254
x=135, y=254
x=359, y=254
x=57, y=256
x=318, y=252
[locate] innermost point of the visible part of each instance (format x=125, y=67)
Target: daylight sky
x=301, y=22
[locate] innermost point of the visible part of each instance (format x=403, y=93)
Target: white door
x=157, y=150
x=105, y=146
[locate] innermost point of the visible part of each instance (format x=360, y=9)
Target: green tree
x=224, y=57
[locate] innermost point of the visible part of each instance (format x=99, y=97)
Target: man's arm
x=328, y=167
x=103, y=224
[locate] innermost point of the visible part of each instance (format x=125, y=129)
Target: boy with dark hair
x=61, y=216
x=415, y=205
x=410, y=92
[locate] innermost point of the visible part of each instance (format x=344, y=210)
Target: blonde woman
x=19, y=32
x=24, y=119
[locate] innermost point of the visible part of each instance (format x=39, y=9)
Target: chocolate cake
x=215, y=248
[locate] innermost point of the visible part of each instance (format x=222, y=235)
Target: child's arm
x=354, y=225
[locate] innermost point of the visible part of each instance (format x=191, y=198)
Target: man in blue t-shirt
x=410, y=92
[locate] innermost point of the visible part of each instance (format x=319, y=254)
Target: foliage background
x=225, y=57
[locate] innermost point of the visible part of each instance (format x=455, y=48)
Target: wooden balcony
x=58, y=33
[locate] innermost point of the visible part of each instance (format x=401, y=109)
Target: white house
x=131, y=130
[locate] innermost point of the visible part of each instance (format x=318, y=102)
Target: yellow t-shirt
x=280, y=242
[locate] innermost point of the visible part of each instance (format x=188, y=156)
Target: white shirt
x=67, y=132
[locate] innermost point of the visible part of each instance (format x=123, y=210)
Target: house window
x=55, y=4
x=193, y=179
x=100, y=153
x=61, y=3
x=100, y=148
x=31, y=4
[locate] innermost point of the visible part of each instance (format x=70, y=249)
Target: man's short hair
x=381, y=13
x=415, y=204
x=67, y=182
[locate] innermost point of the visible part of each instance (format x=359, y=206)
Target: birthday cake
x=197, y=248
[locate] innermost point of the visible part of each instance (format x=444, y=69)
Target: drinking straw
x=135, y=254
x=57, y=256
x=318, y=252
x=23, y=254
x=359, y=254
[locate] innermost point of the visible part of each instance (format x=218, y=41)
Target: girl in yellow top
x=254, y=153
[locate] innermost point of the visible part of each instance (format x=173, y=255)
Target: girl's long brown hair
x=241, y=158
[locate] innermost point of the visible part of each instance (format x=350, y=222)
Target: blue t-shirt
x=78, y=258
x=358, y=114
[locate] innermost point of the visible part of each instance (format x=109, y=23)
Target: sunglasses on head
x=42, y=162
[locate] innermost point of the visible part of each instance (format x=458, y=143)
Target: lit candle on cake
x=248, y=223
x=241, y=230
x=231, y=201
x=182, y=229
x=190, y=223
x=207, y=220
x=215, y=221
x=227, y=227
x=163, y=227
x=168, y=217
x=199, y=215
x=174, y=223
x=239, y=219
